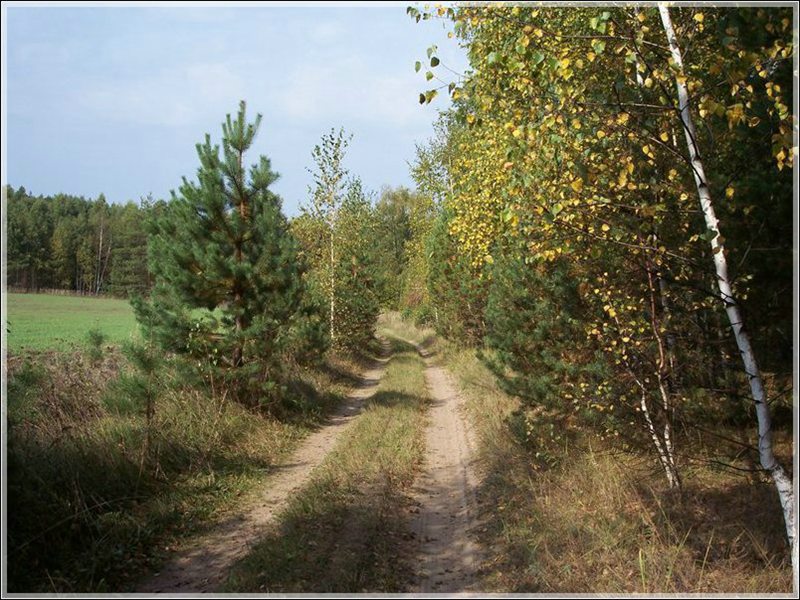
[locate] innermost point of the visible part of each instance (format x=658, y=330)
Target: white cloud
x=351, y=90
x=172, y=97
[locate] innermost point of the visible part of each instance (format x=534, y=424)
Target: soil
x=447, y=555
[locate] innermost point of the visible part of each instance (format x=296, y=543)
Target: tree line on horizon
x=83, y=245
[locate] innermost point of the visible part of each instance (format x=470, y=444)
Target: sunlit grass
x=50, y=322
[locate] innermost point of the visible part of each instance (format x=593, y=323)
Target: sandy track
x=445, y=493
x=203, y=565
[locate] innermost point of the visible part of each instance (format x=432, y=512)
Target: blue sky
x=113, y=100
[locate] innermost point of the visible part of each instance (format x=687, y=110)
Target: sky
x=113, y=99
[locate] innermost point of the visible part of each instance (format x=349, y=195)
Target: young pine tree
x=227, y=282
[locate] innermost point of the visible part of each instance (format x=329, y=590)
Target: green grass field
x=45, y=322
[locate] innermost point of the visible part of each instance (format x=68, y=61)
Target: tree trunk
x=102, y=278
x=99, y=262
x=663, y=376
x=783, y=482
x=238, y=351
x=333, y=277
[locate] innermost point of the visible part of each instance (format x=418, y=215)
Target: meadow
x=50, y=322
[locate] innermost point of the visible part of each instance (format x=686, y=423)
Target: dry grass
x=603, y=522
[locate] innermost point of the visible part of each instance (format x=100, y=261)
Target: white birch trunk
x=99, y=261
x=665, y=450
x=769, y=463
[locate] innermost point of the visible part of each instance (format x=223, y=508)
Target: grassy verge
x=603, y=522
x=344, y=532
x=42, y=321
x=85, y=514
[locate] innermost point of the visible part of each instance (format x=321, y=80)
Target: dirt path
x=447, y=555
x=204, y=564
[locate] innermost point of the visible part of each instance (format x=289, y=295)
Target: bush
x=95, y=340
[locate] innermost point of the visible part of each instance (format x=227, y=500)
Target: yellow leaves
x=622, y=118
x=622, y=179
x=577, y=185
x=564, y=62
x=641, y=17
x=735, y=115
x=470, y=118
x=600, y=134
x=648, y=152
x=538, y=32
x=664, y=137
x=605, y=227
x=648, y=83
x=591, y=56
x=780, y=157
x=729, y=192
x=698, y=18
x=508, y=165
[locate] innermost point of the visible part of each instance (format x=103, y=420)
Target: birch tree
x=329, y=177
x=571, y=143
x=769, y=463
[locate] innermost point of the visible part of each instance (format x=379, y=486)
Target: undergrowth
x=90, y=506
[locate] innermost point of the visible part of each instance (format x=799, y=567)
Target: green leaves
x=417, y=66
x=709, y=235
x=434, y=61
x=427, y=97
x=598, y=46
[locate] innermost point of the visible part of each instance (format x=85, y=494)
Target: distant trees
x=71, y=243
x=330, y=179
x=340, y=236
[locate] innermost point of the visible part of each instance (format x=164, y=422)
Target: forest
x=598, y=248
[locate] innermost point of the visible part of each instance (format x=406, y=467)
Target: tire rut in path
x=203, y=565
x=447, y=555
